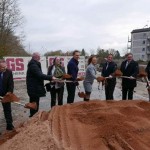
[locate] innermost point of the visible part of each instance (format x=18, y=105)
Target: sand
x=94, y=125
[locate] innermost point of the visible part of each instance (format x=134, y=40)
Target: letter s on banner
x=19, y=64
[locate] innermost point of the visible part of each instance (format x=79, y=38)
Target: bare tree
x=10, y=19
x=10, y=15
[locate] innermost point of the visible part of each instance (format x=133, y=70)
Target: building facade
x=140, y=44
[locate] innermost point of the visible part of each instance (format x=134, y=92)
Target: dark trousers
x=34, y=99
x=7, y=113
x=71, y=88
x=127, y=91
x=109, y=88
x=56, y=94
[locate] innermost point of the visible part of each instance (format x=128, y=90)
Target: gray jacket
x=90, y=73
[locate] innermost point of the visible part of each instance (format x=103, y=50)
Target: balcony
x=148, y=38
x=148, y=51
x=148, y=45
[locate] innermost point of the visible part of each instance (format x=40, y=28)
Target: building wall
x=140, y=45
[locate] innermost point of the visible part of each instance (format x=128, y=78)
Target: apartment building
x=140, y=44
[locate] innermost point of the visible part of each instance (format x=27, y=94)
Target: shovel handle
x=127, y=77
x=78, y=88
x=19, y=104
x=147, y=81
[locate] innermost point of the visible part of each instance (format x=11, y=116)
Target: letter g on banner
x=15, y=64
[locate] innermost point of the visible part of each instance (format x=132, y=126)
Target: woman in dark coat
x=56, y=88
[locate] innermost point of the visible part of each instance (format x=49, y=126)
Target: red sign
x=15, y=64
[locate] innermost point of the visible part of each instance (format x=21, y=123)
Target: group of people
x=35, y=80
x=36, y=88
x=129, y=69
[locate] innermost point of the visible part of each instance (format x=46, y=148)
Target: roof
x=141, y=30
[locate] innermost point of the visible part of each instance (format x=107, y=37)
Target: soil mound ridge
x=104, y=125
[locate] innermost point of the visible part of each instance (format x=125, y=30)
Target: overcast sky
x=77, y=24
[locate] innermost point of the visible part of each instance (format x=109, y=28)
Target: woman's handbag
x=48, y=87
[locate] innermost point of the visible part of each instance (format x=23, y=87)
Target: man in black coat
x=147, y=70
x=72, y=69
x=129, y=68
x=35, y=81
x=107, y=71
x=6, y=87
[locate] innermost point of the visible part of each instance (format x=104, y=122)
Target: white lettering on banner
x=18, y=65
x=65, y=60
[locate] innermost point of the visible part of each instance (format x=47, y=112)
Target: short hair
x=35, y=54
x=110, y=54
x=129, y=54
x=75, y=51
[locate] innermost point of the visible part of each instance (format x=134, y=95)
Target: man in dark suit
x=129, y=68
x=35, y=81
x=72, y=69
x=107, y=71
x=6, y=87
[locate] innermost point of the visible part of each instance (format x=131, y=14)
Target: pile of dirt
x=104, y=125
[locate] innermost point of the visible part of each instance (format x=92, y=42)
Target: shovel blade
x=100, y=79
x=118, y=73
x=66, y=76
x=10, y=98
x=81, y=94
x=142, y=74
x=31, y=106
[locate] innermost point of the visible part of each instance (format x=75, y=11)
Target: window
x=143, y=42
x=143, y=49
x=148, y=49
x=144, y=35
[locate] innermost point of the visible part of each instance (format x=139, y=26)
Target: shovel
x=80, y=78
x=66, y=76
x=140, y=75
x=126, y=77
x=100, y=79
x=117, y=73
x=13, y=98
x=81, y=94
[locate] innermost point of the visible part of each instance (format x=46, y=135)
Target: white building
x=140, y=44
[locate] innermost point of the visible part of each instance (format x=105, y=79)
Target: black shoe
x=10, y=127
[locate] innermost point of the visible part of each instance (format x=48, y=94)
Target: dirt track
x=122, y=125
